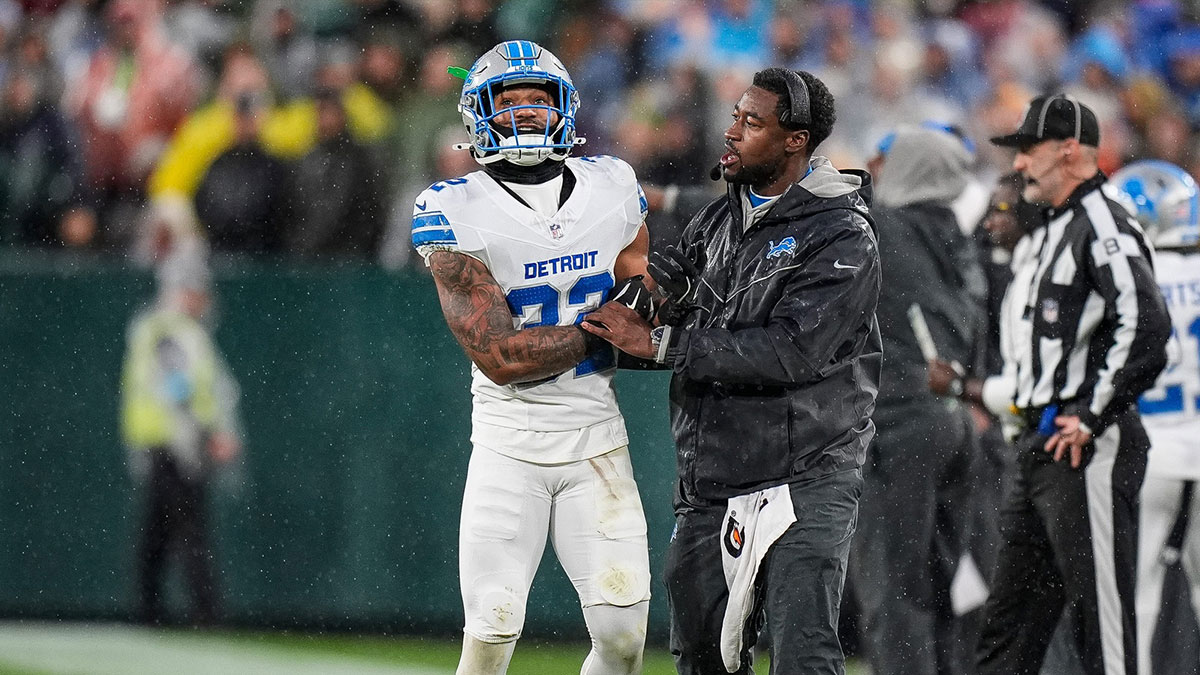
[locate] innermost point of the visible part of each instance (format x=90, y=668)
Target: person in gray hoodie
x=913, y=521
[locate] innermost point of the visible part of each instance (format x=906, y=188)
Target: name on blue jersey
x=566, y=263
x=1186, y=293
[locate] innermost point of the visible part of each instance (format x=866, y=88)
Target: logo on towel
x=788, y=246
x=735, y=536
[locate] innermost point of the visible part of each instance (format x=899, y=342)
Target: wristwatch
x=957, y=384
x=956, y=387
x=660, y=338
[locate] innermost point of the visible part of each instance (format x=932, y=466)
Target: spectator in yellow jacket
x=288, y=130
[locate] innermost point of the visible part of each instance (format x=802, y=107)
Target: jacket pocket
x=744, y=438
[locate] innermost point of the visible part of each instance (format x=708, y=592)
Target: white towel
x=751, y=525
x=968, y=589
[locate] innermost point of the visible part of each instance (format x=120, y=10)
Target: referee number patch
x=1122, y=245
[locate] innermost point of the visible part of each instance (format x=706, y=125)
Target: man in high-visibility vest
x=178, y=420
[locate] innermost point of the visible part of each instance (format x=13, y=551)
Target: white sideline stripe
x=100, y=649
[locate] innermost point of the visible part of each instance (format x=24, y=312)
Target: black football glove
x=633, y=294
x=678, y=276
x=676, y=273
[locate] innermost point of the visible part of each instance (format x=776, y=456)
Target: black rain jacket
x=776, y=372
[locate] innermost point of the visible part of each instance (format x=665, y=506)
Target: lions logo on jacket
x=788, y=246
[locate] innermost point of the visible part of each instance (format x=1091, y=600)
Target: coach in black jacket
x=1084, y=331
x=771, y=333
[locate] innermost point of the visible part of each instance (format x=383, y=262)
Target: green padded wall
x=344, y=510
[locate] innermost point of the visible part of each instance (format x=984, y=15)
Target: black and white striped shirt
x=1083, y=324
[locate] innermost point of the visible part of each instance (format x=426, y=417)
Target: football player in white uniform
x=520, y=252
x=1167, y=204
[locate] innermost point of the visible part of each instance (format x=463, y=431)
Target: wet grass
x=423, y=656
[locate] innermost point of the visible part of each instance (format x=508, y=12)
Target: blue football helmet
x=512, y=63
x=1165, y=200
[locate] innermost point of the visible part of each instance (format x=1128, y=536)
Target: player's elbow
x=517, y=373
x=500, y=376
x=503, y=374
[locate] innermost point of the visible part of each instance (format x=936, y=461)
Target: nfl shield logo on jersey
x=1050, y=310
x=556, y=231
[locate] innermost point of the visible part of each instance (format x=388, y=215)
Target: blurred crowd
x=304, y=128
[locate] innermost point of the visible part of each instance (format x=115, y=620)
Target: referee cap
x=1054, y=117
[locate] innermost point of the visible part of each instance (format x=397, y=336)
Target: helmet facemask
x=495, y=134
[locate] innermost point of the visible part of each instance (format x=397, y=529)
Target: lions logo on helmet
x=1165, y=200
x=518, y=62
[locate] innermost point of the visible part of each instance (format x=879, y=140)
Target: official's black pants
x=176, y=517
x=799, y=586
x=1069, y=540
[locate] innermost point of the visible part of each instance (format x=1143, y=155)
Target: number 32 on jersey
x=551, y=304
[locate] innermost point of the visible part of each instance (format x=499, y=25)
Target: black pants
x=913, y=528
x=175, y=518
x=799, y=586
x=1069, y=541
x=992, y=476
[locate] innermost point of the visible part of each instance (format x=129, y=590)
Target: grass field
x=117, y=649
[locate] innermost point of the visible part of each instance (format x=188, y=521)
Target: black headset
x=798, y=113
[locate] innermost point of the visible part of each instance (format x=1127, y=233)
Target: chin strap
x=505, y=170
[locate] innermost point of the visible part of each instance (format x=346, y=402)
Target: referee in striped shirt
x=1084, y=332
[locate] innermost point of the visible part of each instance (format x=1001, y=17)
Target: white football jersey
x=1171, y=410
x=553, y=270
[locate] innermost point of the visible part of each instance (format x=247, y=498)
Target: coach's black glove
x=678, y=276
x=632, y=293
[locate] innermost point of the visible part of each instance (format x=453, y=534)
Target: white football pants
x=1160, y=507
x=592, y=513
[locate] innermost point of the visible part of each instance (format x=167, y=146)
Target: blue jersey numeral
x=544, y=296
x=1172, y=400
x=580, y=297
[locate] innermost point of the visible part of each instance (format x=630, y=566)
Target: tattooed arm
x=481, y=321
